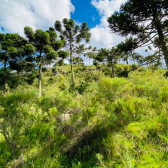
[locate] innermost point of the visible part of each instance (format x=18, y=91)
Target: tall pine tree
x=46, y=46
x=74, y=36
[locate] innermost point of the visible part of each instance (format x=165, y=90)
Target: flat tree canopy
x=144, y=19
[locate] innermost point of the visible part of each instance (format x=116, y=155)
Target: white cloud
x=107, y=7
x=142, y=51
x=16, y=14
x=102, y=37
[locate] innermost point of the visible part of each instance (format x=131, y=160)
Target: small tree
x=74, y=36
x=109, y=56
x=125, y=49
x=13, y=116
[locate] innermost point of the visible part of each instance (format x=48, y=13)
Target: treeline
x=67, y=40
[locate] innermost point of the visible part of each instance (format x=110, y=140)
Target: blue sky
x=85, y=12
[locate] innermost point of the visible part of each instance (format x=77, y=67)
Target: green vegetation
x=98, y=116
x=102, y=122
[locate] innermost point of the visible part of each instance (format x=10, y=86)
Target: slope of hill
x=102, y=122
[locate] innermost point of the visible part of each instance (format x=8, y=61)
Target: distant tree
x=95, y=62
x=46, y=45
x=145, y=20
x=74, y=36
x=157, y=56
x=137, y=58
x=63, y=55
x=109, y=56
x=125, y=49
x=91, y=53
x=78, y=60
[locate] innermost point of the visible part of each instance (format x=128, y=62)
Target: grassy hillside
x=102, y=122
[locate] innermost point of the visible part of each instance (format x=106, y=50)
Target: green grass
x=119, y=122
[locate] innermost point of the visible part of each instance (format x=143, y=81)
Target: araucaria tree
x=10, y=43
x=46, y=45
x=75, y=36
x=144, y=19
x=13, y=56
x=109, y=56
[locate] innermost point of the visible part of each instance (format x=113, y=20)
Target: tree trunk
x=164, y=47
x=127, y=61
x=55, y=70
x=112, y=66
x=5, y=60
x=72, y=71
x=40, y=75
x=4, y=63
x=161, y=38
x=99, y=73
